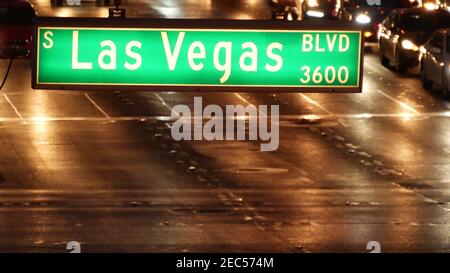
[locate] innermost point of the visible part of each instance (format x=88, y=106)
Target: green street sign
x=196, y=55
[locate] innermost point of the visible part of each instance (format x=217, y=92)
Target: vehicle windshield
x=327, y=3
x=424, y=21
x=16, y=16
x=388, y=4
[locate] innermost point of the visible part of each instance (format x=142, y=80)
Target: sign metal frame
x=135, y=23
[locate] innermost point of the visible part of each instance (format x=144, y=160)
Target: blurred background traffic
x=398, y=29
x=102, y=169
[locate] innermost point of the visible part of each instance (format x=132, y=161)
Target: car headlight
x=430, y=6
x=312, y=3
x=315, y=13
x=363, y=19
x=408, y=45
x=422, y=50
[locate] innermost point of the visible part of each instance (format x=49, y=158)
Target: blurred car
x=16, y=17
x=368, y=15
x=98, y=2
x=285, y=12
x=319, y=9
x=435, y=61
x=285, y=9
x=404, y=31
x=446, y=5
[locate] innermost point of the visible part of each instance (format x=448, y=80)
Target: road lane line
x=315, y=103
x=97, y=106
x=342, y=122
x=249, y=103
x=226, y=195
x=164, y=103
x=404, y=105
x=14, y=108
x=242, y=98
x=362, y=116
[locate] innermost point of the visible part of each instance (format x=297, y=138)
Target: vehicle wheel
x=295, y=14
x=399, y=66
x=445, y=87
x=384, y=61
x=423, y=77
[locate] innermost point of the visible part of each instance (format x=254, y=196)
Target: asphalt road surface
x=102, y=169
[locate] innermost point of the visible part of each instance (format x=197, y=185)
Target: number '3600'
x=329, y=75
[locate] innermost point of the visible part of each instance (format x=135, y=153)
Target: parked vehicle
x=435, y=61
x=369, y=15
x=285, y=9
x=319, y=9
x=404, y=31
x=16, y=18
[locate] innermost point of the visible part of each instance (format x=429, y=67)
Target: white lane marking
x=97, y=106
x=101, y=119
x=361, y=116
x=163, y=102
x=249, y=103
x=401, y=103
x=343, y=123
x=242, y=98
x=315, y=103
x=14, y=108
x=306, y=97
x=226, y=195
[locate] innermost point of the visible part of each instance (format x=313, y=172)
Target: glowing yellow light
x=367, y=34
x=313, y=3
x=407, y=116
x=409, y=45
x=364, y=116
x=311, y=117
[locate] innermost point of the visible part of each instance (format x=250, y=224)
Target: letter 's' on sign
x=196, y=55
